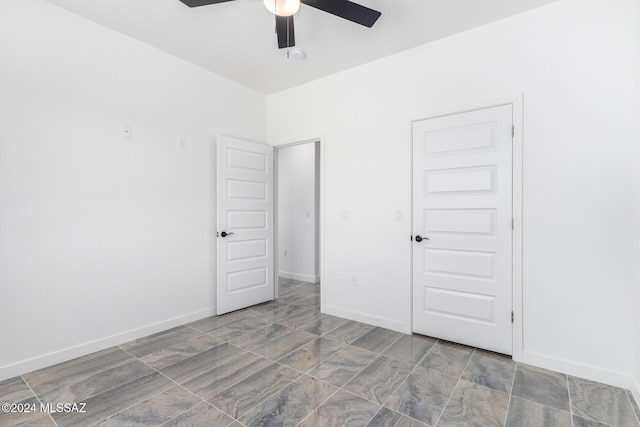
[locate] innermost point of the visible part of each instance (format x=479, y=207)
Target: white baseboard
x=383, y=322
x=593, y=373
x=296, y=276
x=42, y=361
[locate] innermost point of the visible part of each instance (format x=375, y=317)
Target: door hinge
x=513, y=223
x=513, y=131
x=512, y=317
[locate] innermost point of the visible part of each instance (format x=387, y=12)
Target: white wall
x=574, y=62
x=297, y=212
x=103, y=239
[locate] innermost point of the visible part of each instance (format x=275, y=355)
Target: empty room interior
x=390, y=213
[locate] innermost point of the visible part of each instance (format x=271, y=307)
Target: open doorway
x=298, y=222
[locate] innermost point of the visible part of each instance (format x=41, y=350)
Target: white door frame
x=320, y=219
x=517, y=103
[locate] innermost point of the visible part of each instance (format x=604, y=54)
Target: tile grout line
x=444, y=408
x=410, y=363
x=267, y=358
x=133, y=358
x=267, y=397
x=513, y=381
x=570, y=402
x=40, y=401
x=589, y=418
x=321, y=403
x=346, y=344
x=221, y=391
x=381, y=353
x=322, y=317
x=252, y=332
x=438, y=340
x=69, y=415
x=355, y=375
x=202, y=400
x=263, y=400
x=334, y=393
x=250, y=315
x=633, y=408
x=98, y=371
x=376, y=358
x=196, y=354
x=136, y=358
x=410, y=373
x=376, y=414
x=311, y=368
x=263, y=357
x=157, y=394
x=546, y=406
x=292, y=351
x=343, y=348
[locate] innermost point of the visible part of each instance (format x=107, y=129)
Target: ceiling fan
x=285, y=9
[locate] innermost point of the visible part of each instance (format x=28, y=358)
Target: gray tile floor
x=284, y=363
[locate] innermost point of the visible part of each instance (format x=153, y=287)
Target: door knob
x=225, y=234
x=419, y=238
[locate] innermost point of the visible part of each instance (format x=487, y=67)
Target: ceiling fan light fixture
x=282, y=7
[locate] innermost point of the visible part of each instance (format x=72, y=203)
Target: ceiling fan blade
x=348, y=10
x=195, y=3
x=284, y=30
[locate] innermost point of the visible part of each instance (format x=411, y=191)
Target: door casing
x=320, y=212
x=320, y=219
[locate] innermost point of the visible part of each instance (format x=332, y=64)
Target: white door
x=245, y=223
x=462, y=228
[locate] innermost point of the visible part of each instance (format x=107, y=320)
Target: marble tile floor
x=283, y=363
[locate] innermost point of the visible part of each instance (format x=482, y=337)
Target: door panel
x=247, y=250
x=462, y=196
x=460, y=221
x=460, y=263
x=464, y=305
x=245, y=209
x=244, y=280
x=462, y=138
x=240, y=159
x=247, y=220
x=246, y=190
x=461, y=180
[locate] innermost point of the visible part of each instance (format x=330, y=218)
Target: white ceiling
x=237, y=39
